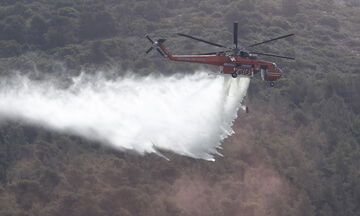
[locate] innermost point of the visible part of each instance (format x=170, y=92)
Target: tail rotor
x=155, y=45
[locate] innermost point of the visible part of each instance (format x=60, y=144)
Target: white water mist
x=186, y=114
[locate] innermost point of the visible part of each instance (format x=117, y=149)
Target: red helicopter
x=234, y=61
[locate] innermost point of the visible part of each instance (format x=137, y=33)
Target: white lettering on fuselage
x=244, y=71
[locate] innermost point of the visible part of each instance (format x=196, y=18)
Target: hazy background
x=296, y=152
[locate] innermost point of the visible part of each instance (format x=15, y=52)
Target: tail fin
x=156, y=45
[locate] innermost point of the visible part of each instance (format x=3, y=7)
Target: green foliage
x=38, y=28
x=16, y=9
x=68, y=12
x=27, y=193
x=290, y=7
x=331, y=22
x=13, y=28
x=61, y=32
x=149, y=10
x=96, y=25
x=281, y=22
x=9, y=48
x=304, y=134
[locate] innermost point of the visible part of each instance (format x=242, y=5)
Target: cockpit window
x=275, y=67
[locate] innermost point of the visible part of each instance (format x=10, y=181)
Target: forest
x=296, y=153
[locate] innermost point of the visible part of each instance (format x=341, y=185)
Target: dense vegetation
x=297, y=153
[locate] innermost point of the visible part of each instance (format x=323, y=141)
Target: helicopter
x=234, y=61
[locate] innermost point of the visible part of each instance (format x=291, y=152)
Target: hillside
x=296, y=153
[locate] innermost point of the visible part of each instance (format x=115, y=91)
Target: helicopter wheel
x=272, y=84
x=234, y=75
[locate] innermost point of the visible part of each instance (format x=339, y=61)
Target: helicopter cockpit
x=275, y=67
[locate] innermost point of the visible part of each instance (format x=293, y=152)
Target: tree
x=99, y=52
x=37, y=30
x=9, y=49
x=290, y=7
x=62, y=31
x=97, y=25
x=14, y=28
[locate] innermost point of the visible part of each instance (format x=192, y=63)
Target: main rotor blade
x=273, y=39
x=236, y=34
x=272, y=55
x=201, y=40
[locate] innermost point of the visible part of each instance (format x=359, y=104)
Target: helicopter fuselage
x=233, y=65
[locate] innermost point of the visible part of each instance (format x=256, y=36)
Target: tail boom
x=200, y=59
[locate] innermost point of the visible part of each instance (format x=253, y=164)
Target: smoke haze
x=186, y=114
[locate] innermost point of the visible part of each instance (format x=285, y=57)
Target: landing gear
x=272, y=84
x=234, y=75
